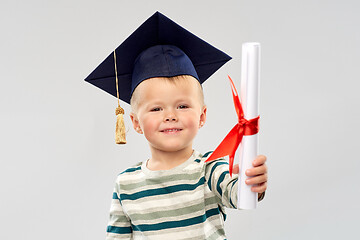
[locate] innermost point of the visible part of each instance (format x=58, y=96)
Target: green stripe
x=211, y=200
x=167, y=213
x=212, y=171
x=115, y=196
x=160, y=180
x=176, y=224
x=231, y=202
x=206, y=154
x=162, y=190
x=172, y=213
x=117, y=216
x=220, y=180
x=134, y=169
x=119, y=230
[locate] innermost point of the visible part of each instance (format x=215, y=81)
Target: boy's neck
x=161, y=160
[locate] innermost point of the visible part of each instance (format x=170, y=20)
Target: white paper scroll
x=249, y=95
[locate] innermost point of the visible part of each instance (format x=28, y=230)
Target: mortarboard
x=158, y=48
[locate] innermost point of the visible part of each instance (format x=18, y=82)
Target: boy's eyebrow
x=160, y=102
x=150, y=103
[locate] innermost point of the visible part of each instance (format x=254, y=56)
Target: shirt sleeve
x=220, y=183
x=119, y=226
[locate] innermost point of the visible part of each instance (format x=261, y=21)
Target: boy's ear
x=135, y=122
x=203, y=117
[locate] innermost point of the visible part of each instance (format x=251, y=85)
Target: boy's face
x=169, y=114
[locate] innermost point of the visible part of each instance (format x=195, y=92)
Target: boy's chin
x=172, y=148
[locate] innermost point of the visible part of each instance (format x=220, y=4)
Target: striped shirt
x=185, y=202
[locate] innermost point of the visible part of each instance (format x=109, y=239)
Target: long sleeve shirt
x=185, y=202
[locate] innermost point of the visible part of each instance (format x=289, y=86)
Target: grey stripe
x=149, y=182
x=154, y=213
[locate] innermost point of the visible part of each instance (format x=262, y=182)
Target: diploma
x=250, y=81
x=247, y=127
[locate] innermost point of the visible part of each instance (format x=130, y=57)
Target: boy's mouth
x=171, y=130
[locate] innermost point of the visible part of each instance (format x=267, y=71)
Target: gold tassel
x=120, y=126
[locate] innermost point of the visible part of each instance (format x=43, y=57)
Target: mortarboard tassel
x=120, y=137
x=120, y=126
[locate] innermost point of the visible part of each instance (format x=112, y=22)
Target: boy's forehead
x=170, y=82
x=185, y=86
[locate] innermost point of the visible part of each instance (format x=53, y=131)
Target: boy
x=174, y=194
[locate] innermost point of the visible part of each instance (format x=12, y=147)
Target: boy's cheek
x=149, y=125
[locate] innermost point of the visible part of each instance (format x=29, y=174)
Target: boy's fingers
x=258, y=174
x=236, y=169
x=257, y=180
x=256, y=171
x=260, y=188
x=259, y=160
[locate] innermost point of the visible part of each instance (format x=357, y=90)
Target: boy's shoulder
x=206, y=155
x=200, y=157
x=129, y=174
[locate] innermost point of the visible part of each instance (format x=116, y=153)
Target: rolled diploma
x=250, y=81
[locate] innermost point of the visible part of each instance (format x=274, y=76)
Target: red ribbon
x=231, y=142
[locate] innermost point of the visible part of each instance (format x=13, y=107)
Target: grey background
x=58, y=156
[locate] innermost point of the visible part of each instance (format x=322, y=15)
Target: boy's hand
x=258, y=174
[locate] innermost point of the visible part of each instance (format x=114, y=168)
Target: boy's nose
x=170, y=117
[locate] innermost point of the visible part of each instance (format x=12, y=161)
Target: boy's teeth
x=171, y=130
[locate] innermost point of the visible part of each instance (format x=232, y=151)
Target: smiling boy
x=174, y=194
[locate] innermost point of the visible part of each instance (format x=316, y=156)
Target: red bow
x=231, y=142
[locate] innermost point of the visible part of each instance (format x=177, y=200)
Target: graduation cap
x=158, y=48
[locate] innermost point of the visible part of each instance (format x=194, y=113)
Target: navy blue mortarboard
x=158, y=48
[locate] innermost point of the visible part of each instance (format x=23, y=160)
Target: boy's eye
x=155, y=109
x=183, y=107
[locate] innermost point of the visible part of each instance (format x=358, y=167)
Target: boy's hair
x=175, y=80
